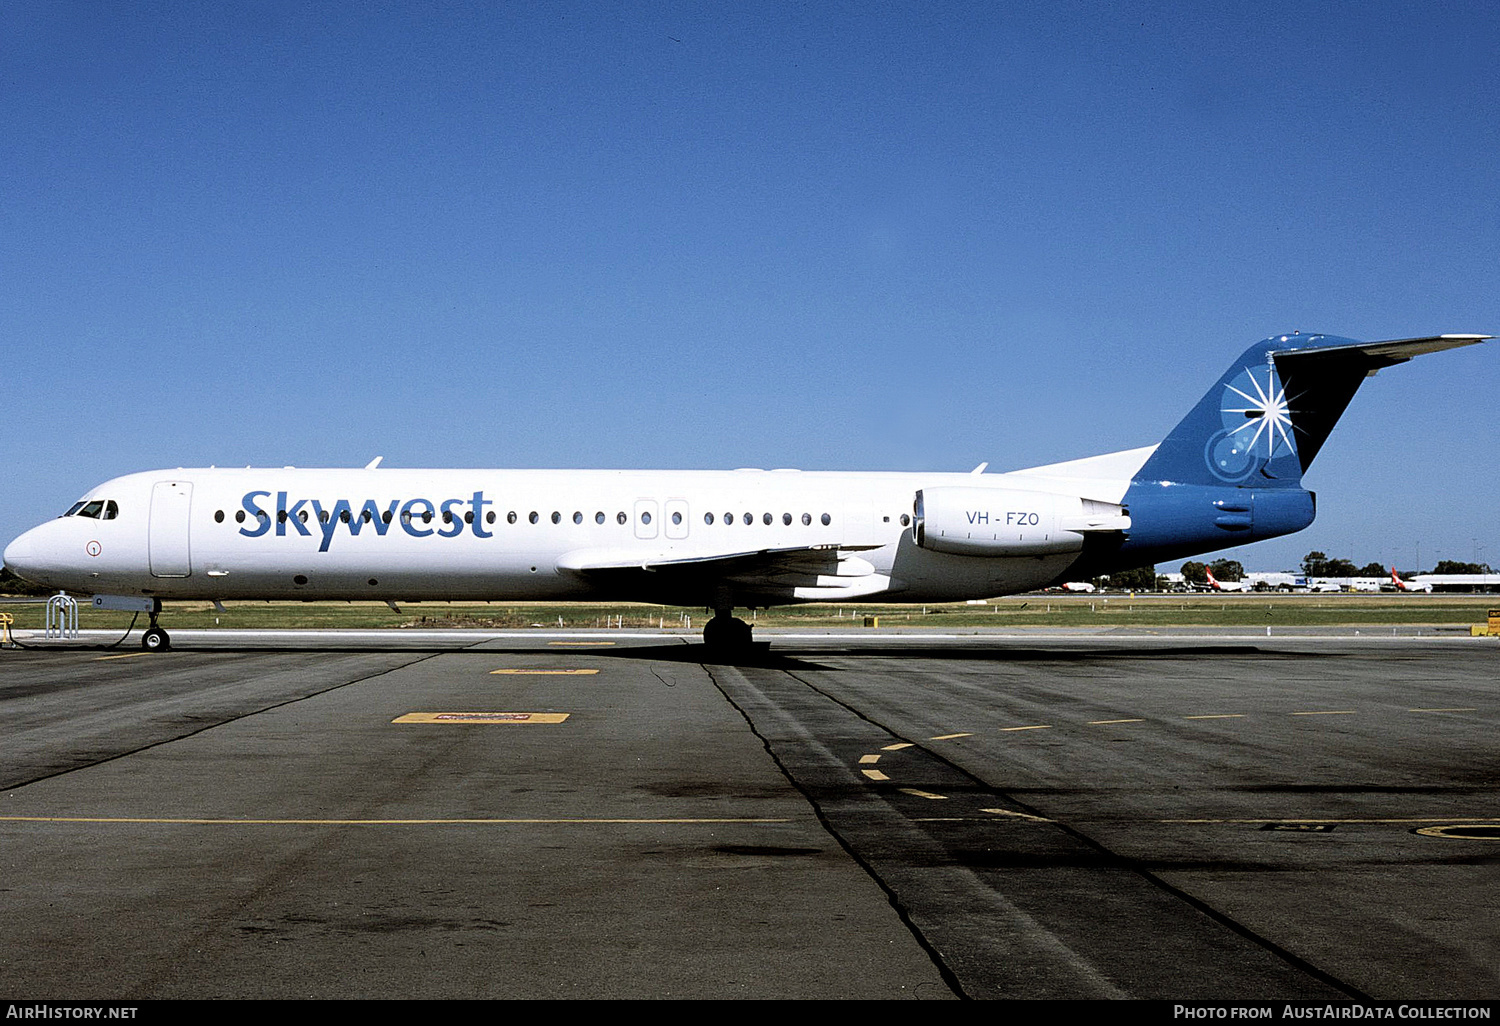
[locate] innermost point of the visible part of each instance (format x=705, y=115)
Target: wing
x=804, y=572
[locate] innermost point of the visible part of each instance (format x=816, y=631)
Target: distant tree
x=1194, y=572
x=10, y=584
x=1315, y=564
x=1142, y=578
x=1227, y=569
x=1373, y=570
x=1449, y=566
x=1340, y=568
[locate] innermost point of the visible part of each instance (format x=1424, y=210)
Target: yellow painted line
x=924, y=794
x=948, y=737
x=1039, y=726
x=362, y=822
x=480, y=717
x=865, y=760
x=1272, y=819
x=1105, y=723
x=875, y=774
x=124, y=655
x=1017, y=815
x=1217, y=716
x=580, y=644
x=897, y=747
x=547, y=673
x=1469, y=709
x=1326, y=712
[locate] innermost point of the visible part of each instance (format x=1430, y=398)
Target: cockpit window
x=74, y=508
x=92, y=509
x=110, y=510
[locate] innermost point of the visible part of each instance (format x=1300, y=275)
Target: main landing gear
x=727, y=633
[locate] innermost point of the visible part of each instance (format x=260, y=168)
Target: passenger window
x=621, y=517
x=239, y=516
x=405, y=516
x=302, y=515
x=533, y=517
x=749, y=519
x=469, y=517
x=489, y=518
x=577, y=517
x=827, y=519
x=766, y=519
x=510, y=518
x=786, y=519
x=426, y=516
x=807, y=520
x=599, y=517
x=645, y=517
x=708, y=518
x=385, y=518
x=729, y=519
x=905, y=520
x=218, y=516
x=344, y=516
x=556, y=517
x=676, y=518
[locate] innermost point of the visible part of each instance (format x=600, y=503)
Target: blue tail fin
x=1263, y=422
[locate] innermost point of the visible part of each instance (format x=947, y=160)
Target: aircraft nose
x=20, y=553
x=25, y=557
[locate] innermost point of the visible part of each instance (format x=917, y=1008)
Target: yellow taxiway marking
x=1039, y=726
x=1326, y=712
x=1017, y=815
x=1266, y=819
x=897, y=747
x=123, y=655
x=1104, y=723
x=547, y=673
x=948, y=737
x=866, y=760
x=362, y=822
x=580, y=644
x=924, y=794
x=875, y=774
x=1467, y=709
x=1217, y=716
x=480, y=717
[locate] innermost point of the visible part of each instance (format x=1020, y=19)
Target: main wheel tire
x=155, y=640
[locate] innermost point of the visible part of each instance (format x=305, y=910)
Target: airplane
x=1218, y=585
x=1408, y=585
x=1229, y=473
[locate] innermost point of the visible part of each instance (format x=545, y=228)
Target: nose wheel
x=155, y=639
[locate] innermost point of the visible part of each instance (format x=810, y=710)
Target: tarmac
x=868, y=814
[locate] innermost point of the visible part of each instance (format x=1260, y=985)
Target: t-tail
x=1231, y=471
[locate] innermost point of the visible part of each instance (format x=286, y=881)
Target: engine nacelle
x=1009, y=521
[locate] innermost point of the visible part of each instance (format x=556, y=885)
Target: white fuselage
x=392, y=534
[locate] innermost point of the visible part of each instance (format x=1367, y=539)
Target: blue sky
x=830, y=236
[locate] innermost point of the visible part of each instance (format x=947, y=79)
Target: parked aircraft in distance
x=1083, y=587
x=1409, y=585
x=1215, y=584
x=1229, y=473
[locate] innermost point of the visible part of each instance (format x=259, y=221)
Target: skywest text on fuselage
x=414, y=516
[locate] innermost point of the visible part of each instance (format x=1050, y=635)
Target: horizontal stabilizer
x=1384, y=354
